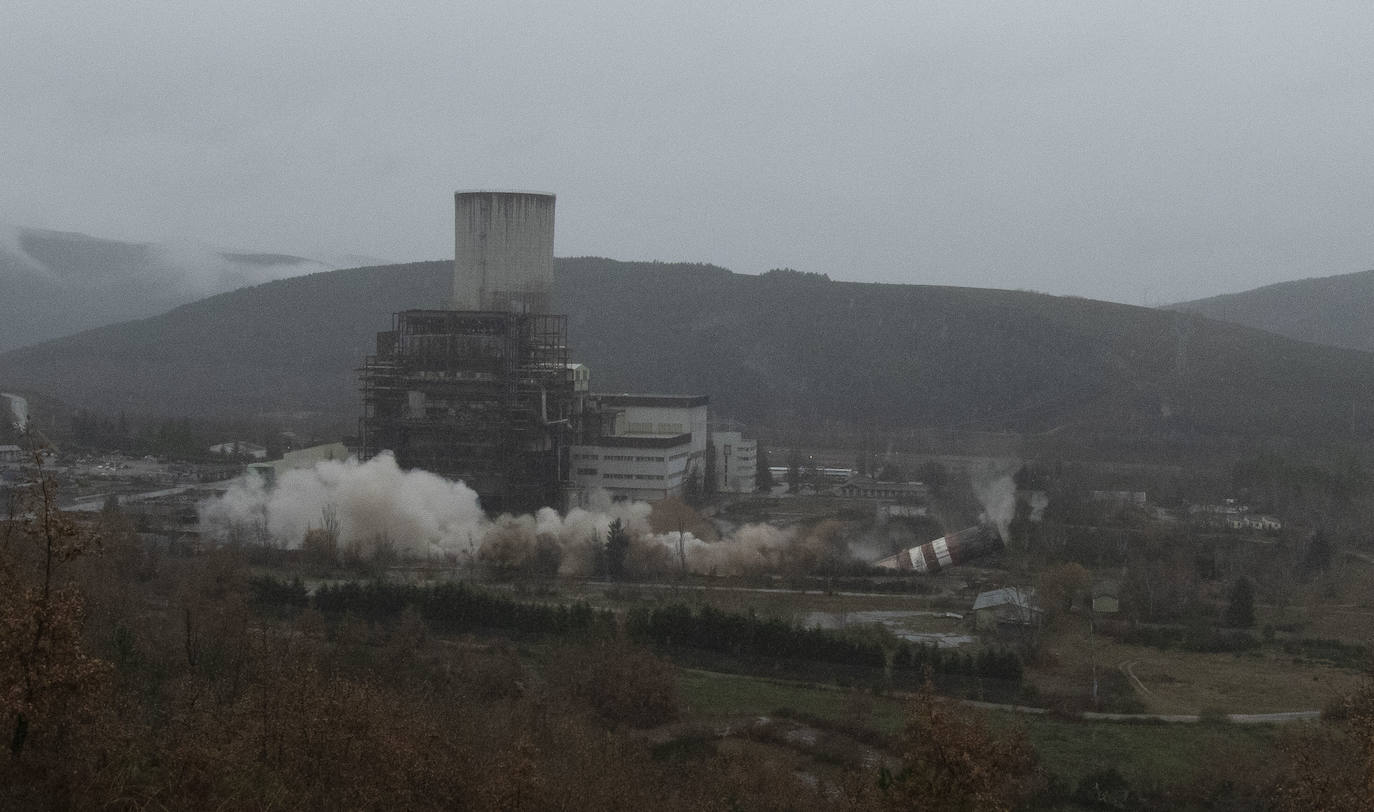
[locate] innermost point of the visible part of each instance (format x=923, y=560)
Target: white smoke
x=995, y=489
x=19, y=407
x=197, y=269
x=998, y=498
x=425, y=513
x=12, y=244
x=426, y=516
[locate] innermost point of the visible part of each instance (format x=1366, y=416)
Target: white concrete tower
x=503, y=251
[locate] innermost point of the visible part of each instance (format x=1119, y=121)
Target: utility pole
x=1092, y=654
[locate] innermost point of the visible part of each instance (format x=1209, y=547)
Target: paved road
x=1181, y=718
x=1239, y=718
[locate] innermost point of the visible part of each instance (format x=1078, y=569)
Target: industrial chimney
x=503, y=251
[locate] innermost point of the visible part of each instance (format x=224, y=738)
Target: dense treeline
x=1195, y=638
x=713, y=630
x=454, y=607
x=181, y=438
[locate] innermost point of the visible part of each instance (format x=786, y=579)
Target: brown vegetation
x=952, y=759
x=1333, y=767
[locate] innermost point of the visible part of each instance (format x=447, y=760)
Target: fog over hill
x=779, y=346
x=55, y=283
x=1335, y=310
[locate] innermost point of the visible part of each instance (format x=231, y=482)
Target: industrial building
x=736, y=463
x=643, y=447
x=271, y=470
x=484, y=391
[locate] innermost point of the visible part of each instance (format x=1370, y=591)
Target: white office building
x=650, y=446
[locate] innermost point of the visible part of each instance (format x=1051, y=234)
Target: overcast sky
x=1141, y=152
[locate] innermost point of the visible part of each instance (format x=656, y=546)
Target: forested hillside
x=778, y=346
x=1335, y=310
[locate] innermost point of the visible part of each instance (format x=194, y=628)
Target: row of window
x=625, y=458
x=632, y=476
x=659, y=428
x=593, y=472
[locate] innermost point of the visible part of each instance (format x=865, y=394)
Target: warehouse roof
x=1008, y=596
x=626, y=399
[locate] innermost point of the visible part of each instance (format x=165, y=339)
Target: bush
x=1198, y=639
x=1104, y=789
x=1240, y=613
x=622, y=684
x=1334, y=652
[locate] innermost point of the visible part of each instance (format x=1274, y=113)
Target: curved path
x=1127, y=667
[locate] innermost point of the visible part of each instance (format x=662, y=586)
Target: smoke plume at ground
x=19, y=408
x=422, y=515
x=994, y=486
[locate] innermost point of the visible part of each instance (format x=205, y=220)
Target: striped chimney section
x=946, y=551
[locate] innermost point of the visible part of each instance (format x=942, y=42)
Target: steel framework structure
x=485, y=397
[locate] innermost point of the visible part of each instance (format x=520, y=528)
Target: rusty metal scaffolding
x=481, y=396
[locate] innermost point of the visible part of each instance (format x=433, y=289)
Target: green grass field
x=1146, y=754
x=710, y=695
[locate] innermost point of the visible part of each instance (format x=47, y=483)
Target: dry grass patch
x=1266, y=681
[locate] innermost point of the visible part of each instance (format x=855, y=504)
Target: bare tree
x=43, y=668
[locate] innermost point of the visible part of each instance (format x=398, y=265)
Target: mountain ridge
x=782, y=346
x=55, y=283
x=1333, y=310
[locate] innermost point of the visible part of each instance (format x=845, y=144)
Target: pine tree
x=763, y=474
x=1241, y=611
x=794, y=471
x=617, y=547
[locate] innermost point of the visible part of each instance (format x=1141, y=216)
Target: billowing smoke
x=995, y=490
x=19, y=408
x=419, y=514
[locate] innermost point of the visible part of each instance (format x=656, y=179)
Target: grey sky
x=1139, y=152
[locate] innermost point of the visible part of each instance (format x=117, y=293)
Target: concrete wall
x=300, y=458
x=647, y=473
x=665, y=420
x=736, y=462
x=503, y=251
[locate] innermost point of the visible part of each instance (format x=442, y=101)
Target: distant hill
x=782, y=345
x=1334, y=310
x=55, y=283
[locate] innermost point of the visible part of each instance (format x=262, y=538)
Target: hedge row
x=449, y=607
x=455, y=607
x=747, y=635
x=1196, y=639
